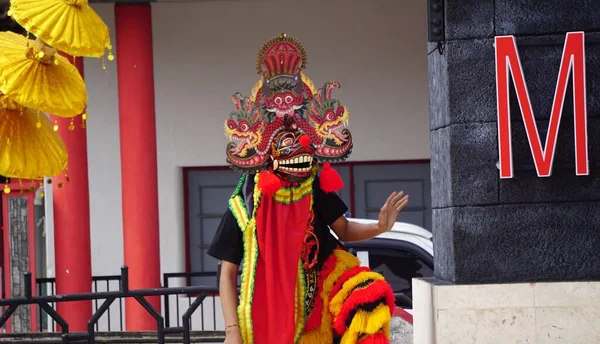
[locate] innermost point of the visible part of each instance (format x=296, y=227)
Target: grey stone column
x=488, y=230
x=18, y=227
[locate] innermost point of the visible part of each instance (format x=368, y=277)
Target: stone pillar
x=20, y=258
x=508, y=233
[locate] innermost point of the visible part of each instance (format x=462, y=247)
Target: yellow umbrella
x=71, y=26
x=8, y=104
x=33, y=75
x=29, y=150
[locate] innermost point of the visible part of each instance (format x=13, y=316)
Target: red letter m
x=573, y=61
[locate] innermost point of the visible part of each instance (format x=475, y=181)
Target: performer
x=298, y=285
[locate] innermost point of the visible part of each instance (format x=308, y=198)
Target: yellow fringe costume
x=357, y=304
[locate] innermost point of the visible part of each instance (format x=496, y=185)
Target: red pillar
x=72, y=224
x=138, y=156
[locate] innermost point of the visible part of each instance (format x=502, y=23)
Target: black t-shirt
x=228, y=244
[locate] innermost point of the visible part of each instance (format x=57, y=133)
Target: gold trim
x=259, y=84
x=281, y=38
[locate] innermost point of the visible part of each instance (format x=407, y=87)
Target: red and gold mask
x=292, y=154
x=286, y=125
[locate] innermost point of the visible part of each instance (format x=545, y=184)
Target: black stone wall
x=526, y=228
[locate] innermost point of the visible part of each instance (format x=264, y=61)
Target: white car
x=403, y=231
x=403, y=253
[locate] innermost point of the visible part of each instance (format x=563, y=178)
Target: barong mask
x=291, y=152
x=287, y=123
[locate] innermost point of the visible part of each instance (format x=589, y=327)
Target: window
x=207, y=198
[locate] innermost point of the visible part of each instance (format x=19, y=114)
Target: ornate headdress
x=287, y=125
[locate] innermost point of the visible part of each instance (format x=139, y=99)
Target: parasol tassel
x=330, y=180
x=47, y=51
x=269, y=183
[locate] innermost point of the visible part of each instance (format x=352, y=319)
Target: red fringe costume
x=298, y=283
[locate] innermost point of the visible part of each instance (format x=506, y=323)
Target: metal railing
x=47, y=286
x=209, y=318
x=188, y=276
x=108, y=297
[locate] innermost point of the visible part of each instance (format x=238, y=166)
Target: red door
x=18, y=234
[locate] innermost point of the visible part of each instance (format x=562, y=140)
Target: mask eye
x=287, y=142
x=329, y=115
x=278, y=101
x=284, y=151
x=289, y=99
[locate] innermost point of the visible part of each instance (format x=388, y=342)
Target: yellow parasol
x=71, y=26
x=33, y=75
x=29, y=150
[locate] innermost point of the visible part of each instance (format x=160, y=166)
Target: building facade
x=205, y=51
x=515, y=256
x=202, y=53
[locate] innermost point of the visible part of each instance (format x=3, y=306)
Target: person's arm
x=349, y=231
x=227, y=246
x=229, y=300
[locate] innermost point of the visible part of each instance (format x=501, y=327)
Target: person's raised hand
x=390, y=210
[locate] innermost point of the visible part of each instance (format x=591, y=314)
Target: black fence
x=108, y=292
x=188, y=276
x=47, y=287
x=173, y=303
x=107, y=298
